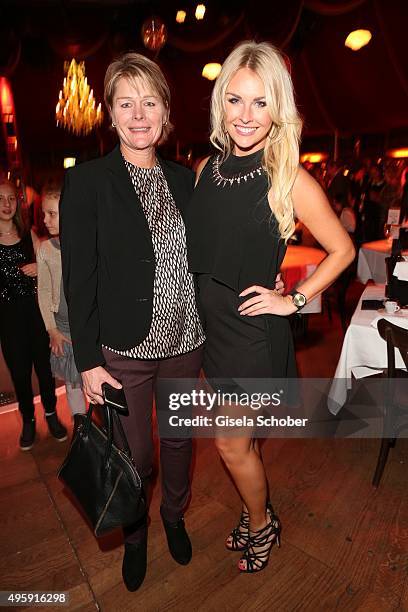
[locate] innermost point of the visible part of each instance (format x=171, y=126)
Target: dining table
x=299, y=263
x=371, y=260
x=364, y=352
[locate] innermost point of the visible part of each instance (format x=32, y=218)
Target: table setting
x=364, y=352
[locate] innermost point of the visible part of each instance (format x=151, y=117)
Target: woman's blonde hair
x=281, y=154
x=133, y=66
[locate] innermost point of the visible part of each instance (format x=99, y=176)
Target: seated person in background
x=53, y=305
x=346, y=216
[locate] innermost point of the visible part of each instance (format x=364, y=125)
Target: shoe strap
x=261, y=537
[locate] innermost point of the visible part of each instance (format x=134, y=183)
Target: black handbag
x=101, y=476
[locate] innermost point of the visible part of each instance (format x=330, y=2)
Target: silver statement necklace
x=238, y=178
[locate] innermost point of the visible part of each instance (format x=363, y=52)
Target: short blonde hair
x=133, y=66
x=281, y=155
x=52, y=187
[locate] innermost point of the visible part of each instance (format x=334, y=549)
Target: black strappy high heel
x=239, y=535
x=264, y=539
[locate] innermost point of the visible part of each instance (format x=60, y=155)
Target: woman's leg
x=75, y=399
x=238, y=537
x=136, y=376
x=244, y=463
x=40, y=348
x=175, y=453
x=241, y=457
x=15, y=344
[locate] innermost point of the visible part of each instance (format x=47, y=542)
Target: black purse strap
x=110, y=417
x=118, y=423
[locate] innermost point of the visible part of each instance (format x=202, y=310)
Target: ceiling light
x=181, y=16
x=398, y=153
x=200, y=11
x=313, y=158
x=211, y=71
x=69, y=162
x=357, y=39
x=76, y=109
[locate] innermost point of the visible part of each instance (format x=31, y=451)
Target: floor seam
x=64, y=528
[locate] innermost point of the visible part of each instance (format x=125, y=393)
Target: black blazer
x=107, y=255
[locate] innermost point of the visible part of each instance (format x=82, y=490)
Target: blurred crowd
x=363, y=195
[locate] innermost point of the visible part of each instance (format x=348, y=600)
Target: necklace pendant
x=223, y=181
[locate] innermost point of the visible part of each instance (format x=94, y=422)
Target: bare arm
x=313, y=209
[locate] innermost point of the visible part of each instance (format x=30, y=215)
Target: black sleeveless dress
x=233, y=243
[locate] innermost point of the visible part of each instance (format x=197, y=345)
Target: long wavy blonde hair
x=281, y=153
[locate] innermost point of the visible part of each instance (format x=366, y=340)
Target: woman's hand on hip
x=93, y=380
x=267, y=301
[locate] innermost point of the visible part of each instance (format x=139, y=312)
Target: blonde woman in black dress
x=240, y=218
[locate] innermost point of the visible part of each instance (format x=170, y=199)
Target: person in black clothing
x=404, y=199
x=238, y=223
x=131, y=302
x=23, y=338
x=338, y=185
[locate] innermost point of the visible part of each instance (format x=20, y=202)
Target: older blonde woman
x=240, y=218
x=130, y=296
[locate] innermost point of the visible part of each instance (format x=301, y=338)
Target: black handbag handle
x=110, y=417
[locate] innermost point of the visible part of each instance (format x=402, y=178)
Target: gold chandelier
x=76, y=109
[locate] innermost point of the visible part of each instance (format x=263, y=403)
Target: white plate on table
x=403, y=312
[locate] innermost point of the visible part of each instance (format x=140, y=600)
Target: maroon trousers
x=139, y=378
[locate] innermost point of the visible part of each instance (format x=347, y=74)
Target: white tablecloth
x=363, y=348
x=371, y=261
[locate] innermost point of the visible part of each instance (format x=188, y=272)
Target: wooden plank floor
x=344, y=544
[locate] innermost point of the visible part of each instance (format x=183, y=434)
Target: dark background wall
x=358, y=94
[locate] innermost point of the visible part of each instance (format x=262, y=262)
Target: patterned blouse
x=175, y=327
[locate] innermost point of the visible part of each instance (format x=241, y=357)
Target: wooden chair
x=395, y=411
x=337, y=293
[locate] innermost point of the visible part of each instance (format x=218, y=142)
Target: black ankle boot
x=27, y=435
x=178, y=541
x=134, y=564
x=55, y=427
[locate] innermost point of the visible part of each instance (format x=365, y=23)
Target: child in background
x=23, y=338
x=53, y=305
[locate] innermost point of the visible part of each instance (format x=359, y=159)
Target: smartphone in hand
x=115, y=398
